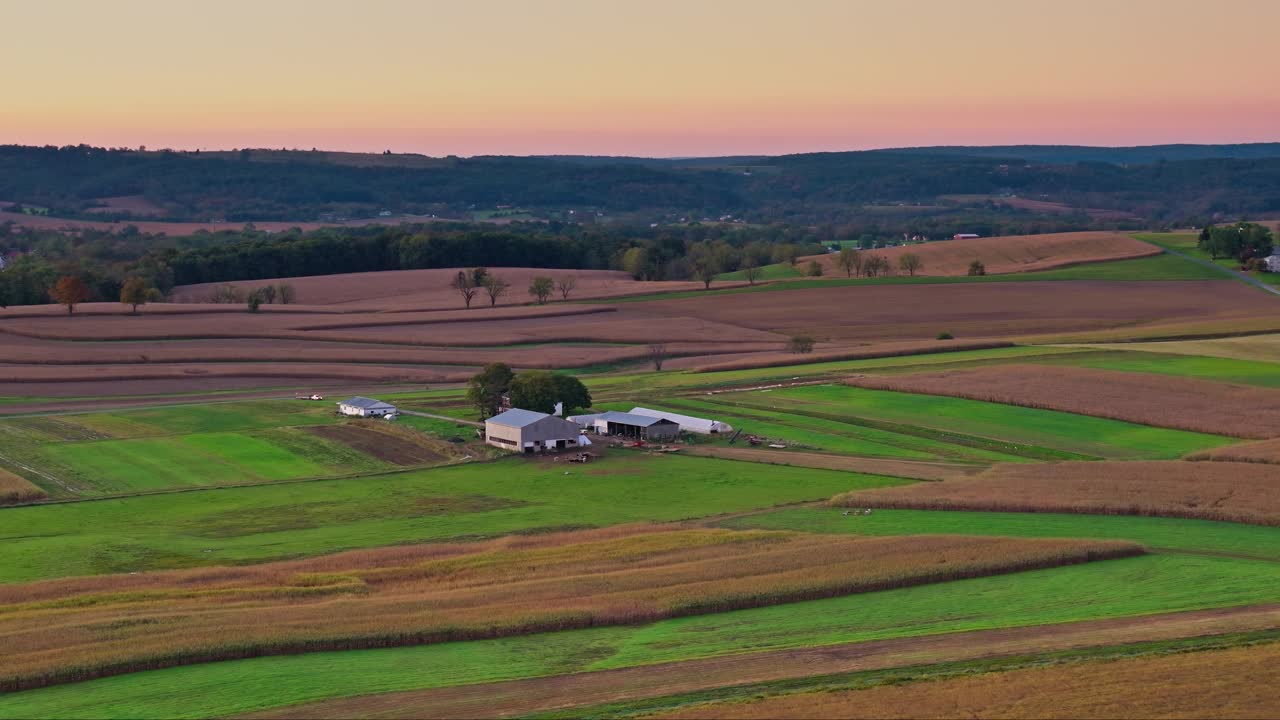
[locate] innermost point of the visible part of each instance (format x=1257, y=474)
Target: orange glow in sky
x=651, y=77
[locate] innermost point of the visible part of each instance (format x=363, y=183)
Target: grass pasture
x=804, y=432
x=547, y=583
x=1067, y=433
x=239, y=525
x=1114, y=588
x=1158, y=533
x=1167, y=358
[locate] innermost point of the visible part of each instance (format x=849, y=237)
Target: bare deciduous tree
x=657, y=354
x=495, y=287
x=462, y=282
x=566, y=285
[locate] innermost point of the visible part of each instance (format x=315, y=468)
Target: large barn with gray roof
x=527, y=431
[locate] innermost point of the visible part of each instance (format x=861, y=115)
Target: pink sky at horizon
x=660, y=78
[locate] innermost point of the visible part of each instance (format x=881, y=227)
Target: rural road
x=1238, y=275
x=535, y=695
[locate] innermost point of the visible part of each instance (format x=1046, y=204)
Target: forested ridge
x=1164, y=183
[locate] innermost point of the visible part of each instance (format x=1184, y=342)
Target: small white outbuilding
x=366, y=407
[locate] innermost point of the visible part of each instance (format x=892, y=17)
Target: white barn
x=528, y=431
x=1273, y=263
x=687, y=423
x=366, y=407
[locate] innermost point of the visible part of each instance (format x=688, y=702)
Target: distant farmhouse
x=1273, y=263
x=964, y=236
x=527, y=431
x=366, y=407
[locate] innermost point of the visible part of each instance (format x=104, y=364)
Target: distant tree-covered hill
x=1154, y=184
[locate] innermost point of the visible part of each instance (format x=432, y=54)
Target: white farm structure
x=366, y=407
x=687, y=423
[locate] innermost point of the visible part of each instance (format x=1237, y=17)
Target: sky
x=641, y=77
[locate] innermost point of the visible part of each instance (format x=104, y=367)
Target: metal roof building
x=644, y=427
x=687, y=423
x=528, y=431
x=365, y=407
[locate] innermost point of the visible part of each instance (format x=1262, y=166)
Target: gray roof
x=366, y=403
x=517, y=418
x=622, y=418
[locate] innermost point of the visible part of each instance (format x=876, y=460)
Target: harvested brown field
x=384, y=443
x=15, y=489
x=1214, y=683
x=1009, y=254
x=1263, y=451
x=436, y=593
x=861, y=352
x=1179, y=403
x=223, y=346
x=1233, y=492
x=429, y=289
x=136, y=205
x=518, y=698
x=914, y=469
x=884, y=313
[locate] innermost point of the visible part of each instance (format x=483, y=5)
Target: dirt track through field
x=521, y=697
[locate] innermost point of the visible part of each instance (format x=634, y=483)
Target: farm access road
x=1238, y=275
x=523, y=697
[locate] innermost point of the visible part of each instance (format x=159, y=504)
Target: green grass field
x=1163, y=534
x=1115, y=588
x=802, y=431
x=776, y=271
x=1247, y=372
x=1099, y=437
x=271, y=522
x=1155, y=267
x=1189, y=243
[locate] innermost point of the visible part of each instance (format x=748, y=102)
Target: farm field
x=575, y=580
x=1236, y=492
x=179, y=537
x=1215, y=683
x=1007, y=254
x=1108, y=589
x=1183, y=404
x=971, y=310
x=1264, y=451
x=240, y=443
x=1158, y=533
x=1151, y=358
x=235, y=526
x=1020, y=429
x=1257, y=348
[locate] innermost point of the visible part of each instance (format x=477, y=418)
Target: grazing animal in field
x=845, y=513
